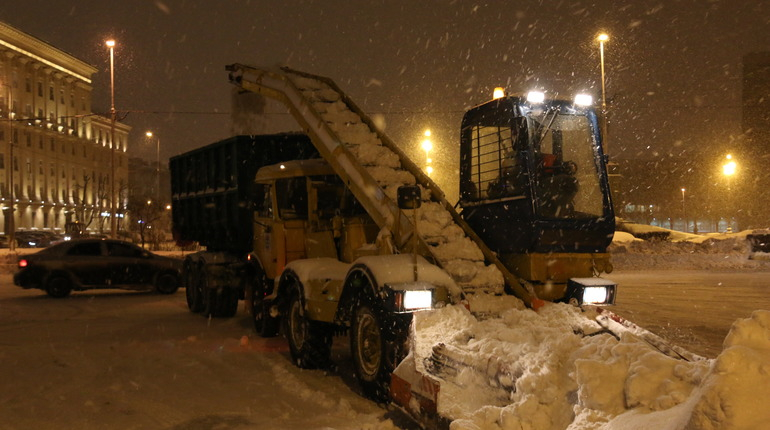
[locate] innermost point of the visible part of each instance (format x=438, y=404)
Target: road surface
x=133, y=360
x=694, y=309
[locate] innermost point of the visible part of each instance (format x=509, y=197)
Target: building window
x=28, y=85
x=40, y=142
x=40, y=170
x=40, y=89
x=28, y=138
x=50, y=93
x=53, y=145
x=2, y=161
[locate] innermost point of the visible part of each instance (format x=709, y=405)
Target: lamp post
x=113, y=220
x=157, y=166
x=11, y=203
x=684, y=212
x=603, y=37
x=729, y=169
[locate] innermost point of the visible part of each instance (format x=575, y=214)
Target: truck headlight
x=593, y=295
x=410, y=297
x=590, y=291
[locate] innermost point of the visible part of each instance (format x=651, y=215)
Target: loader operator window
x=498, y=163
x=566, y=174
x=292, y=198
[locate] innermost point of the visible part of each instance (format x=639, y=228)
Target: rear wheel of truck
x=193, y=293
x=309, y=341
x=376, y=346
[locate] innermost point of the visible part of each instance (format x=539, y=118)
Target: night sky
x=673, y=67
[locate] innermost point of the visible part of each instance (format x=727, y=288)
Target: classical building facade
x=55, y=153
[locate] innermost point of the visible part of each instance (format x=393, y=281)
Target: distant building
x=61, y=163
x=755, y=151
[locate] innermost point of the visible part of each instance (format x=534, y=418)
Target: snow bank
x=544, y=375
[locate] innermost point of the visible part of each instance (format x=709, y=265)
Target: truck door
x=292, y=200
x=265, y=243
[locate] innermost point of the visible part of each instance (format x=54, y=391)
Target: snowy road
x=132, y=360
x=694, y=309
x=141, y=361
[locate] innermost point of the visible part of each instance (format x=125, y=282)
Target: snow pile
x=668, y=249
x=557, y=379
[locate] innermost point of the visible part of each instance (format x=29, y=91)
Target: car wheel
x=309, y=341
x=166, y=283
x=377, y=344
x=58, y=286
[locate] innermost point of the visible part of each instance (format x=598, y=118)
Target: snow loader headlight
x=590, y=291
x=410, y=297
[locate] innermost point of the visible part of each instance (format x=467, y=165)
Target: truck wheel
x=309, y=342
x=376, y=345
x=264, y=324
x=193, y=290
x=58, y=286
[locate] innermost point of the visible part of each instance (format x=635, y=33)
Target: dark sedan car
x=96, y=263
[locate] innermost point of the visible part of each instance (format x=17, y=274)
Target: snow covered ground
x=138, y=360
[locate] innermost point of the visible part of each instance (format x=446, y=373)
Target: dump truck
x=335, y=231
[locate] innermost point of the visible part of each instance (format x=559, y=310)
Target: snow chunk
x=738, y=386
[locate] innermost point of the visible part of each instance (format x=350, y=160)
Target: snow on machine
x=336, y=231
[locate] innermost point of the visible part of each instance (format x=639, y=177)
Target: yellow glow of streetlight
x=603, y=37
x=427, y=145
x=110, y=43
x=498, y=93
x=429, y=170
x=427, y=133
x=729, y=168
x=148, y=134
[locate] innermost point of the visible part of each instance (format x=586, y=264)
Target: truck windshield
x=566, y=175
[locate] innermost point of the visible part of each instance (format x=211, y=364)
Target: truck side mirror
x=409, y=197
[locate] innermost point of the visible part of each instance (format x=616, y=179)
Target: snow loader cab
x=533, y=185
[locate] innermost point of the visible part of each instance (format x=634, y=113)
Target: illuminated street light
x=684, y=211
x=427, y=146
x=603, y=37
x=113, y=117
x=498, y=93
x=157, y=167
x=11, y=204
x=729, y=169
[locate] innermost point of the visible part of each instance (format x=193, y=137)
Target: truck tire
x=310, y=342
x=377, y=345
x=264, y=324
x=59, y=286
x=193, y=291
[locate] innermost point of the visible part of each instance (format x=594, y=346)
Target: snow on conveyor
x=455, y=252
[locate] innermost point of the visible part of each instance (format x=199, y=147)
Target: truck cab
x=303, y=210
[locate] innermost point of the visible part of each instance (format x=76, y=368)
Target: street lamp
x=157, y=167
x=729, y=169
x=427, y=146
x=684, y=212
x=11, y=203
x=603, y=37
x=113, y=219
